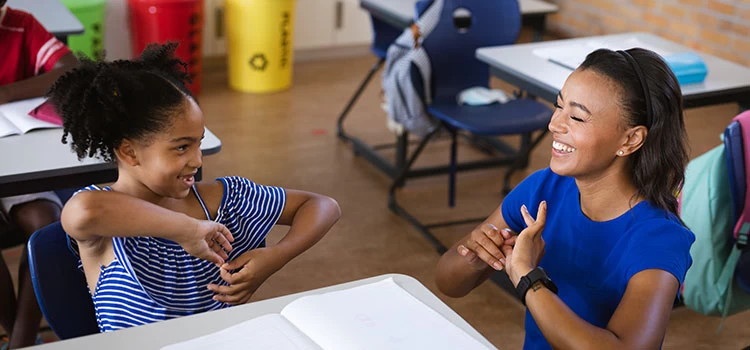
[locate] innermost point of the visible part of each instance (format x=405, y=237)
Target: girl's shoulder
x=229, y=189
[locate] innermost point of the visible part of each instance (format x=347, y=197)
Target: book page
x=375, y=316
x=268, y=332
x=7, y=128
x=18, y=114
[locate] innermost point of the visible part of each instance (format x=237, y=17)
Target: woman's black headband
x=644, y=86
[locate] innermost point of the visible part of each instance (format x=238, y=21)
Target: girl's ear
x=126, y=154
x=636, y=136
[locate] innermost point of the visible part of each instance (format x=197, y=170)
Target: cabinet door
x=352, y=24
x=314, y=24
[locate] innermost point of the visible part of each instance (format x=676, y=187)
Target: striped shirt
x=154, y=279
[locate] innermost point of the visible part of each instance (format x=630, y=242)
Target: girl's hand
x=529, y=247
x=483, y=247
x=208, y=240
x=254, y=267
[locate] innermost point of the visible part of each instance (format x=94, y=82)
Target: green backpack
x=706, y=209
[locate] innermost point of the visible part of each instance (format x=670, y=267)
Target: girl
x=607, y=269
x=156, y=244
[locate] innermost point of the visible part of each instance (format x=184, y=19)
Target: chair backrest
x=383, y=35
x=452, y=51
x=60, y=286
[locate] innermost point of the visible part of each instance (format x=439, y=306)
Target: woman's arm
x=474, y=258
x=90, y=215
x=639, y=322
x=38, y=85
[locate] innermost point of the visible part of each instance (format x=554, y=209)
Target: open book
x=380, y=315
x=15, y=118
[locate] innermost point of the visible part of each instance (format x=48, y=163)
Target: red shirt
x=26, y=48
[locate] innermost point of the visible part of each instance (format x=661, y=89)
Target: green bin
x=91, y=15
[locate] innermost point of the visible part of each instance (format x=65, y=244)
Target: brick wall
x=717, y=27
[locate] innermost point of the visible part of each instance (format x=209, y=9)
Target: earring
x=620, y=152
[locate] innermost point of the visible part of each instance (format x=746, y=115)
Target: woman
x=607, y=268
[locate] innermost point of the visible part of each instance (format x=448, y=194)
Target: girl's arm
x=91, y=215
x=38, y=85
x=309, y=216
x=473, y=259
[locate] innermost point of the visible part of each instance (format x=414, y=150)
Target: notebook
x=380, y=315
x=15, y=118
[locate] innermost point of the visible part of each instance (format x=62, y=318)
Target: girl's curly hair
x=102, y=103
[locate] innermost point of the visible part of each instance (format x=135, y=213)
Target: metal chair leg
x=340, y=123
x=400, y=211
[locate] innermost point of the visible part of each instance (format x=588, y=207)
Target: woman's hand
x=529, y=245
x=254, y=267
x=208, y=240
x=483, y=247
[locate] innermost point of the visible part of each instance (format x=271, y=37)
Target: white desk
x=518, y=65
x=400, y=13
x=39, y=161
x=159, y=334
x=52, y=14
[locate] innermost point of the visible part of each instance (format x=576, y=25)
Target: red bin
x=160, y=21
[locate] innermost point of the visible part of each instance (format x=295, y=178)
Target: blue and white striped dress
x=154, y=279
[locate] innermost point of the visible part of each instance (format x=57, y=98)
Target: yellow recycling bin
x=259, y=44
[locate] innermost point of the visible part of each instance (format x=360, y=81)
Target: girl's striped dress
x=154, y=279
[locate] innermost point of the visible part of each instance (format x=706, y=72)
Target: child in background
x=157, y=244
x=31, y=59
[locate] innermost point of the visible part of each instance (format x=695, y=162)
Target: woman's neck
x=608, y=196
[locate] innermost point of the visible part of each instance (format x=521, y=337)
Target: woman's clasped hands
x=503, y=249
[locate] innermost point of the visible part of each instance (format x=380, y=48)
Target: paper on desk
x=267, y=332
x=573, y=54
x=380, y=315
x=375, y=316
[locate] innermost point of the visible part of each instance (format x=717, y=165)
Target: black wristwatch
x=536, y=275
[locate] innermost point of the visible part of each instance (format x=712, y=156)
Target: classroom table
x=519, y=65
x=39, y=161
x=400, y=13
x=156, y=335
x=53, y=15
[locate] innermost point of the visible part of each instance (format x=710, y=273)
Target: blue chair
x=451, y=47
x=60, y=286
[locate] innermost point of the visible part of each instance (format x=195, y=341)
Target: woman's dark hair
x=650, y=97
x=102, y=103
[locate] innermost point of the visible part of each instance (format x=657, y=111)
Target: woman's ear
x=126, y=154
x=636, y=136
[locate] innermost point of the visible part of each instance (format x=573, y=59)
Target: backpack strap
x=742, y=228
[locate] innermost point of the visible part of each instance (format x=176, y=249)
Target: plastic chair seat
x=514, y=117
